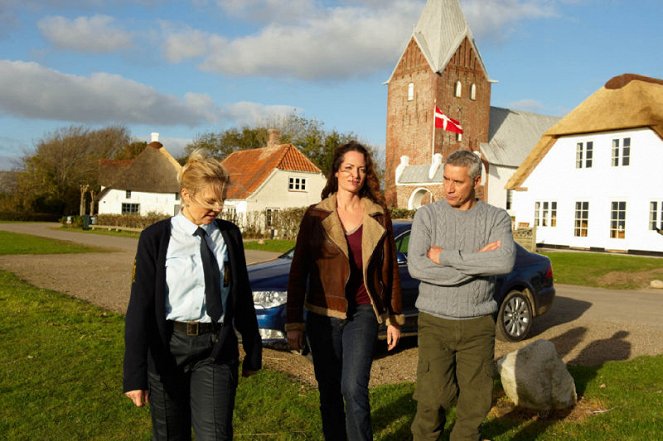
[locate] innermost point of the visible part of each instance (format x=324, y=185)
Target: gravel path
x=588, y=326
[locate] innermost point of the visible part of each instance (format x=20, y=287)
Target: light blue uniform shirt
x=185, y=280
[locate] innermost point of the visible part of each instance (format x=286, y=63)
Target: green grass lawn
x=61, y=370
x=275, y=245
x=15, y=243
x=604, y=270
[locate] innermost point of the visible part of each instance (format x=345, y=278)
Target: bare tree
x=51, y=175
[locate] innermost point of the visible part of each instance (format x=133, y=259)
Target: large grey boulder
x=535, y=377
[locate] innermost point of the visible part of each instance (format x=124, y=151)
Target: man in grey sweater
x=457, y=247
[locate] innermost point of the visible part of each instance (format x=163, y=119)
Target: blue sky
x=183, y=68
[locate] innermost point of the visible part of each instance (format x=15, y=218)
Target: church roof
x=513, y=134
x=418, y=174
x=626, y=101
x=440, y=31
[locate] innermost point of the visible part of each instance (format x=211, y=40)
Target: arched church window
x=410, y=91
x=458, y=89
x=473, y=92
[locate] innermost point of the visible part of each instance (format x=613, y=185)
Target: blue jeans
x=342, y=356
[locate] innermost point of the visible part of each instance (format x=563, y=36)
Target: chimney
x=154, y=137
x=274, y=137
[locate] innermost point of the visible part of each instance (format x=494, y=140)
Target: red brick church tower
x=440, y=66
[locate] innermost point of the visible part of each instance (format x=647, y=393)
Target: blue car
x=524, y=293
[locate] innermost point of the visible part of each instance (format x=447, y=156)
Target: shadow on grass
x=395, y=418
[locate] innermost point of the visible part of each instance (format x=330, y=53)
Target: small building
x=266, y=180
x=594, y=179
x=145, y=184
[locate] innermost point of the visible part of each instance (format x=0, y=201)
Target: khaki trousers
x=455, y=366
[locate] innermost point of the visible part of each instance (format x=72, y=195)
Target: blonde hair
x=201, y=171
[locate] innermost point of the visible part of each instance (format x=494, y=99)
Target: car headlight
x=269, y=299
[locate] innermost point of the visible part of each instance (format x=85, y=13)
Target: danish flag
x=442, y=121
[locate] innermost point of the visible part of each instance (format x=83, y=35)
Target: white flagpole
x=432, y=144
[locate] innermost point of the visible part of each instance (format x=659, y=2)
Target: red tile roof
x=248, y=169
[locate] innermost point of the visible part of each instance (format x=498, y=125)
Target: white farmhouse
x=145, y=184
x=595, y=179
x=268, y=179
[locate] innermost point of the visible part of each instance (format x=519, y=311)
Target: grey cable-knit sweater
x=462, y=285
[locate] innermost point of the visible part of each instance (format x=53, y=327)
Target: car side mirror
x=401, y=258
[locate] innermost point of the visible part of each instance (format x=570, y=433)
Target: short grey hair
x=466, y=158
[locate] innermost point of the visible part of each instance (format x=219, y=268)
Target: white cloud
x=181, y=45
x=269, y=11
x=250, y=114
x=496, y=18
x=333, y=43
x=96, y=34
x=37, y=92
x=527, y=105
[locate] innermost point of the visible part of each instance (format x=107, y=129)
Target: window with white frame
x=621, y=152
x=618, y=220
x=545, y=213
x=127, y=194
x=584, y=154
x=581, y=226
x=656, y=215
x=130, y=208
x=410, y=91
x=297, y=184
x=458, y=89
x=473, y=92
x=509, y=199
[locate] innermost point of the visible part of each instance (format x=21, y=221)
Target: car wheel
x=514, y=319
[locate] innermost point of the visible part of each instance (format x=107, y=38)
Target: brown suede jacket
x=321, y=265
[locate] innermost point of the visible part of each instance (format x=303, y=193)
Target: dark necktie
x=212, y=278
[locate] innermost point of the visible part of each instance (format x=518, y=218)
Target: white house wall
x=163, y=203
x=498, y=177
x=274, y=192
x=556, y=179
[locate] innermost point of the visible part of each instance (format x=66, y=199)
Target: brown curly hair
x=371, y=187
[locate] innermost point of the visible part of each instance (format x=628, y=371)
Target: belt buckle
x=192, y=328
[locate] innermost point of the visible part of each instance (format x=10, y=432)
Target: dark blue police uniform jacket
x=147, y=332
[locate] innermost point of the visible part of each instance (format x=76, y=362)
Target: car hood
x=270, y=276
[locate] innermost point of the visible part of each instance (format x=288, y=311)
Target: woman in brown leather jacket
x=344, y=274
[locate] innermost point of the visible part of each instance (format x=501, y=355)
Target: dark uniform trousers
x=200, y=393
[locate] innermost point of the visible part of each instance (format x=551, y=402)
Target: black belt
x=195, y=328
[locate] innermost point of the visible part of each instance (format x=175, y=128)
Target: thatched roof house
x=594, y=181
x=625, y=101
x=154, y=170
x=145, y=184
